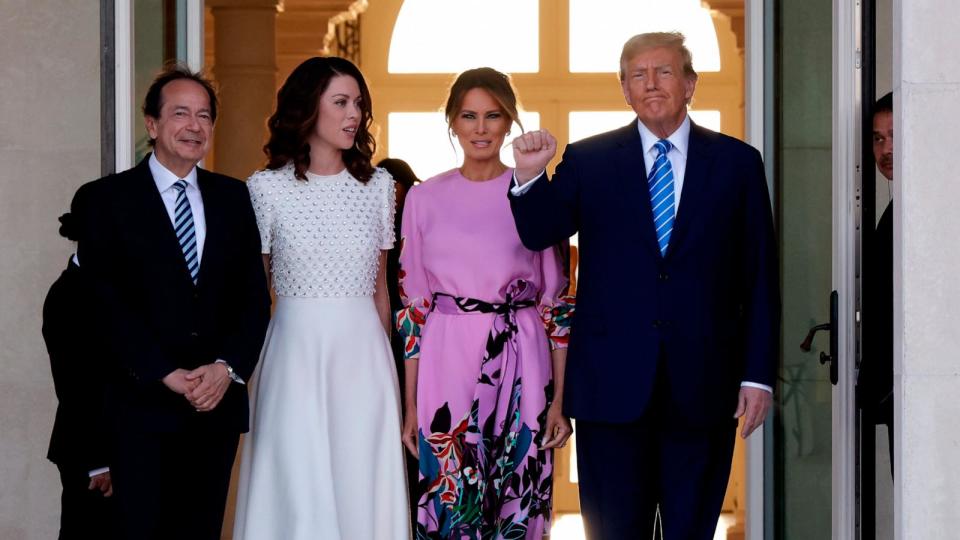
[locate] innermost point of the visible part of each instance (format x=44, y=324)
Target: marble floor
x=570, y=527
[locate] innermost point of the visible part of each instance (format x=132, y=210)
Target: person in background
x=404, y=179
x=485, y=323
x=876, y=371
x=78, y=444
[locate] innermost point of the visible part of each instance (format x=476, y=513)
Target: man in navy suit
x=172, y=253
x=677, y=324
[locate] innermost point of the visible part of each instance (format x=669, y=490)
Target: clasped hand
x=203, y=387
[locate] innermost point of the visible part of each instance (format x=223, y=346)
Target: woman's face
x=480, y=126
x=339, y=114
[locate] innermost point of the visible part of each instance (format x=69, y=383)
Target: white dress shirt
x=680, y=144
x=165, y=181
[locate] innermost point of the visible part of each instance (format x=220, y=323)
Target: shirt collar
x=166, y=179
x=680, y=139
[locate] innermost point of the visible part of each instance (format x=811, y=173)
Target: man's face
x=657, y=89
x=883, y=142
x=183, y=130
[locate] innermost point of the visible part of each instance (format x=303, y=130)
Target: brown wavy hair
x=297, y=113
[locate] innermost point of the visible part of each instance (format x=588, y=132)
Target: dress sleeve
x=556, y=306
x=414, y=291
x=389, y=210
x=262, y=207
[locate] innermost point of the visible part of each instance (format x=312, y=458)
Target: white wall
x=884, y=484
x=926, y=74
x=884, y=10
x=49, y=145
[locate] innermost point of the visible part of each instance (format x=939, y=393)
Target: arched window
x=449, y=36
x=568, y=87
x=593, y=51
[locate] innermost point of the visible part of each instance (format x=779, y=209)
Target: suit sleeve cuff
x=96, y=472
x=749, y=384
x=233, y=374
x=518, y=190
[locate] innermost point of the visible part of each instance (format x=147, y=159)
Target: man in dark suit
x=676, y=329
x=875, y=380
x=173, y=255
x=78, y=444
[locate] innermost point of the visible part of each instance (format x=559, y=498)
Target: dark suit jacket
x=707, y=313
x=78, y=441
x=876, y=369
x=152, y=315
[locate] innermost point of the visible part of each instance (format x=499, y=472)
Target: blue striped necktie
x=183, y=225
x=660, y=182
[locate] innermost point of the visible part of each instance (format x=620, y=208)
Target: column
x=926, y=83
x=245, y=68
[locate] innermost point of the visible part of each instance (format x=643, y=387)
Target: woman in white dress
x=323, y=458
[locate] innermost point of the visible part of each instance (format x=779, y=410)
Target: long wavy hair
x=298, y=111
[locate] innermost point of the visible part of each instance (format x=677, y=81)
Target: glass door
x=803, y=201
x=813, y=82
x=147, y=35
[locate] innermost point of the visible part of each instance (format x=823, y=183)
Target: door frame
x=759, y=450
x=845, y=246
x=846, y=215
x=124, y=102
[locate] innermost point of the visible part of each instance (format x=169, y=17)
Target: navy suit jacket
x=701, y=319
x=151, y=315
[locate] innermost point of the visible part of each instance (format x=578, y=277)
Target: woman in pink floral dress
x=486, y=324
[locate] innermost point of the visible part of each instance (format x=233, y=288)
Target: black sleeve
x=132, y=344
x=78, y=372
x=241, y=348
x=547, y=213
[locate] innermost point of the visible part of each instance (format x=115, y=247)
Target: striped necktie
x=183, y=225
x=660, y=182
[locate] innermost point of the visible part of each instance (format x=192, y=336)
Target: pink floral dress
x=481, y=312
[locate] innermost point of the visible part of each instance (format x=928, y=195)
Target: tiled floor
x=570, y=527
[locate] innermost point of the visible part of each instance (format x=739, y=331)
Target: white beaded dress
x=323, y=459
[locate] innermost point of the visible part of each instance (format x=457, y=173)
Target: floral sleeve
x=556, y=307
x=414, y=292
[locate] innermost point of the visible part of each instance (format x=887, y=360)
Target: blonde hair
x=656, y=40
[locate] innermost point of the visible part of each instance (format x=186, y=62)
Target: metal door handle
x=831, y=327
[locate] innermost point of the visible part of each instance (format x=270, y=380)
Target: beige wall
x=49, y=145
x=926, y=75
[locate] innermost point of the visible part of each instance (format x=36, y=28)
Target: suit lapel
x=632, y=174
x=700, y=155
x=153, y=214
x=213, y=217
